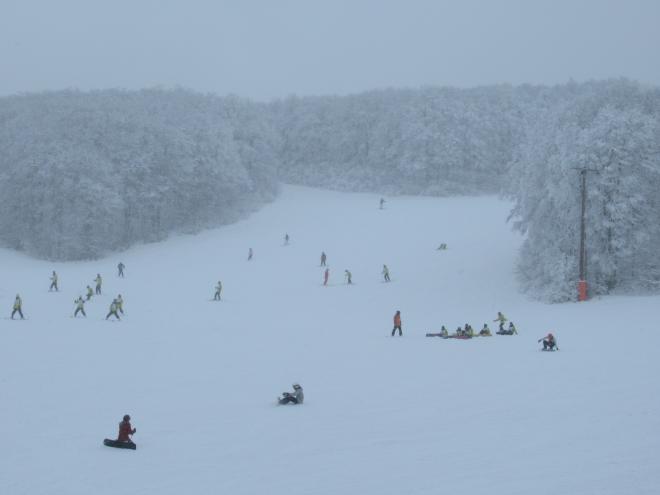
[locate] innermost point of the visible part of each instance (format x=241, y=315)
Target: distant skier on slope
x=397, y=324
x=53, y=282
x=80, y=307
x=120, y=303
x=120, y=269
x=386, y=273
x=326, y=275
x=382, y=202
x=90, y=292
x=250, y=254
x=349, y=277
x=297, y=397
x=99, y=281
x=113, y=310
x=218, y=292
x=549, y=342
x=18, y=307
x=501, y=319
x=323, y=258
x=286, y=239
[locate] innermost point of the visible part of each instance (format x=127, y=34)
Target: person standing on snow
x=501, y=319
x=18, y=307
x=286, y=239
x=80, y=307
x=386, y=273
x=98, y=280
x=218, y=291
x=297, y=397
x=323, y=258
x=113, y=310
x=90, y=292
x=326, y=275
x=120, y=269
x=397, y=324
x=126, y=430
x=349, y=277
x=382, y=202
x=53, y=282
x=250, y=253
x=120, y=303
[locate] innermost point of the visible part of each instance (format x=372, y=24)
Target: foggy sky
x=266, y=49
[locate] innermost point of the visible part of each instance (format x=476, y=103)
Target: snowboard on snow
x=436, y=335
x=119, y=445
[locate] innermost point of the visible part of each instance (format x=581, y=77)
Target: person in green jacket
x=113, y=310
x=53, y=282
x=98, y=280
x=120, y=303
x=80, y=307
x=90, y=292
x=218, y=292
x=18, y=307
x=501, y=319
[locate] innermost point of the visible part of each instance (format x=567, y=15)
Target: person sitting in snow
x=444, y=332
x=297, y=397
x=549, y=342
x=126, y=430
x=485, y=331
x=468, y=331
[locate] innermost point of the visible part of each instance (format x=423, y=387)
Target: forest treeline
x=84, y=174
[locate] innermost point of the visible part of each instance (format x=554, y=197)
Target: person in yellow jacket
x=80, y=307
x=113, y=310
x=485, y=331
x=90, y=293
x=120, y=304
x=18, y=307
x=53, y=282
x=501, y=319
x=98, y=280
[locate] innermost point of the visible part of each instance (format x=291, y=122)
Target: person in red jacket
x=125, y=430
x=397, y=324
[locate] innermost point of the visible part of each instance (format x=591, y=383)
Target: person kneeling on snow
x=549, y=342
x=126, y=430
x=297, y=397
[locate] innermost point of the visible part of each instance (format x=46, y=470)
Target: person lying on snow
x=126, y=430
x=297, y=397
x=549, y=342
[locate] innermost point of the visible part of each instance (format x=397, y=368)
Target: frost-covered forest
x=83, y=174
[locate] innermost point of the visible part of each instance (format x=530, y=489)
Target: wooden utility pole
x=582, y=282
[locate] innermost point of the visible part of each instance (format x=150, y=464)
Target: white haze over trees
x=83, y=174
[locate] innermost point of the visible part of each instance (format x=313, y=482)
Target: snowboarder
x=386, y=273
x=80, y=307
x=113, y=310
x=443, y=332
x=326, y=275
x=90, y=293
x=18, y=307
x=297, y=397
x=468, y=331
x=120, y=269
x=501, y=319
x=218, y=291
x=397, y=324
x=382, y=202
x=442, y=247
x=120, y=303
x=509, y=331
x=549, y=343
x=250, y=253
x=485, y=331
x=53, y=282
x=98, y=280
x=286, y=239
x=323, y=258
x=349, y=277
x=125, y=430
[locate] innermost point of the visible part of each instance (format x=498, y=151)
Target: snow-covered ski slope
x=383, y=415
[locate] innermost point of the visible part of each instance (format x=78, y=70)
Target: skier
x=397, y=324
x=126, y=430
x=98, y=280
x=286, y=239
x=326, y=275
x=250, y=253
x=386, y=273
x=113, y=310
x=549, y=343
x=297, y=397
x=90, y=293
x=323, y=258
x=120, y=303
x=80, y=307
x=501, y=319
x=120, y=269
x=382, y=202
x=18, y=307
x=218, y=290
x=53, y=282
x=349, y=277
x=485, y=331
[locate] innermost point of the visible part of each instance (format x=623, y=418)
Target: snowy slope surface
x=382, y=415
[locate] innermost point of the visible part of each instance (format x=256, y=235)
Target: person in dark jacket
x=297, y=397
x=549, y=342
x=397, y=324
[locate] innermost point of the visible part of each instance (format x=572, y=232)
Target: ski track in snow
x=383, y=415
